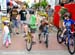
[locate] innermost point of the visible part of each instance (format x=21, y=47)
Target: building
x=62, y=1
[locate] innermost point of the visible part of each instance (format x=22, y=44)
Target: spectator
x=50, y=14
x=22, y=15
x=62, y=12
x=13, y=18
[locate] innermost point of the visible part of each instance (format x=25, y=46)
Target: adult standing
x=23, y=19
x=13, y=18
x=50, y=14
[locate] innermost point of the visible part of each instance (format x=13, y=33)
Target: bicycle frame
x=29, y=38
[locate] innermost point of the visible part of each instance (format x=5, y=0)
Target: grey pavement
x=51, y=52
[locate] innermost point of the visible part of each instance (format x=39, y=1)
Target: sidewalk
x=51, y=52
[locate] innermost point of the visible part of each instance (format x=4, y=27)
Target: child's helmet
x=6, y=22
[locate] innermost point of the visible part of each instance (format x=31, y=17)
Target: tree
x=26, y=4
x=42, y=3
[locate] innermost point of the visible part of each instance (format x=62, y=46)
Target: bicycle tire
x=46, y=40
x=29, y=44
x=59, y=38
x=69, y=49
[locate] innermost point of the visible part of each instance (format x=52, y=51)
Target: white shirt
x=6, y=29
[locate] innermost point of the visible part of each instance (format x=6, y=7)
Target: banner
x=56, y=16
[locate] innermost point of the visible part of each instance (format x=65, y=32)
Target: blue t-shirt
x=68, y=23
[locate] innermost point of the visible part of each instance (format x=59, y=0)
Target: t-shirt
x=50, y=12
x=6, y=29
x=62, y=12
x=68, y=23
x=33, y=21
x=43, y=27
x=23, y=14
x=8, y=10
x=14, y=14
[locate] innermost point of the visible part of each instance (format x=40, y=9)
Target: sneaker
x=40, y=41
x=17, y=33
x=9, y=42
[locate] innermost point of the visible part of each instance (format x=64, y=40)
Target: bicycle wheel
x=71, y=45
x=59, y=38
x=46, y=36
x=29, y=43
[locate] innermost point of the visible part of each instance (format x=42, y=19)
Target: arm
x=64, y=24
x=37, y=20
x=18, y=16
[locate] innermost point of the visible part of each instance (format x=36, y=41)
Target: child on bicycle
x=43, y=28
x=67, y=23
x=32, y=26
x=6, y=33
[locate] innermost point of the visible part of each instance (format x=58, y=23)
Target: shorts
x=23, y=21
x=33, y=30
x=15, y=23
x=50, y=19
x=44, y=28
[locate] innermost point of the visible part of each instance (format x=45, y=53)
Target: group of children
x=67, y=22
x=6, y=31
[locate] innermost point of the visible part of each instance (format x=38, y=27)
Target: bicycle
x=29, y=40
x=59, y=38
x=44, y=34
x=71, y=42
x=71, y=39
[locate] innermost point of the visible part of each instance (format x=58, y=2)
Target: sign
x=3, y=5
